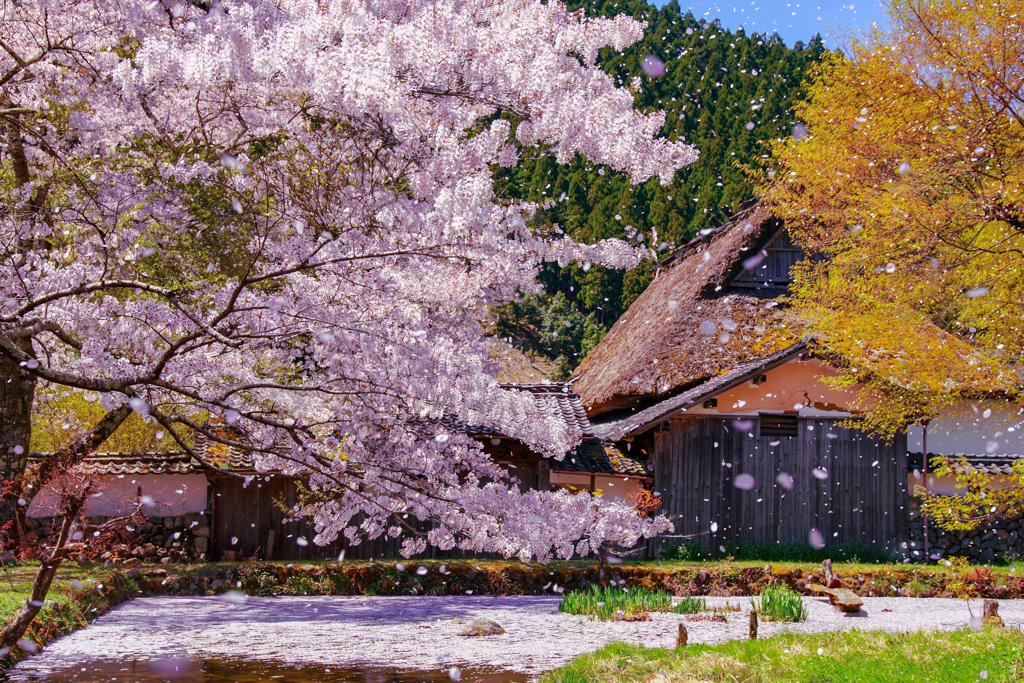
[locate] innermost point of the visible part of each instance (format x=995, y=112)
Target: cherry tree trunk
x=17, y=389
x=48, y=566
x=602, y=567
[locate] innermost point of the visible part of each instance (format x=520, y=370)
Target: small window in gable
x=770, y=268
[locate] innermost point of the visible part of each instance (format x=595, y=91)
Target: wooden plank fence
x=861, y=499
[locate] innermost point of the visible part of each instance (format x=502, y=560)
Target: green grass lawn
x=16, y=584
x=77, y=594
x=850, y=657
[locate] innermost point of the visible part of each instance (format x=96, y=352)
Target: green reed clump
x=781, y=603
x=609, y=603
x=690, y=605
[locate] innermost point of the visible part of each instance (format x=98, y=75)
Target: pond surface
x=249, y=671
x=404, y=639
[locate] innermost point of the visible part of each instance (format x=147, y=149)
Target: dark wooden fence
x=862, y=499
x=249, y=522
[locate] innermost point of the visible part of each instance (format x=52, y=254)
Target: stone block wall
x=184, y=538
x=997, y=539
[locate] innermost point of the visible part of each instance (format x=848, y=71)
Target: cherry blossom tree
x=281, y=213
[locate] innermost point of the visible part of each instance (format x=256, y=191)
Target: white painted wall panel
x=990, y=426
x=172, y=494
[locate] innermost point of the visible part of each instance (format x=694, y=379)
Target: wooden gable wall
x=772, y=274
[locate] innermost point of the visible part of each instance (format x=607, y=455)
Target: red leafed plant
x=644, y=502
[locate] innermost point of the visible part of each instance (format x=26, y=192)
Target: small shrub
x=301, y=584
x=690, y=605
x=609, y=604
x=688, y=551
x=258, y=580
x=781, y=603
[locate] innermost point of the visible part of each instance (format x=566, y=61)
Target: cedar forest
x=727, y=93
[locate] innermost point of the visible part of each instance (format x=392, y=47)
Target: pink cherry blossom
x=282, y=212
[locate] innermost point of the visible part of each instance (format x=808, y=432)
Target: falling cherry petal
x=744, y=482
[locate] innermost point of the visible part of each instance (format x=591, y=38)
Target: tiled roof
x=618, y=428
x=107, y=463
x=592, y=455
x=223, y=456
x=599, y=457
x=555, y=398
x=559, y=399
x=982, y=462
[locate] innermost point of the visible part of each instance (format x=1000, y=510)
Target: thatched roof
x=515, y=366
x=691, y=324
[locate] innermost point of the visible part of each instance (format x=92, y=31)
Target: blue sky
x=793, y=20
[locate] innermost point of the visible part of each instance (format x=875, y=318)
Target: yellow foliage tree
x=62, y=416
x=906, y=181
x=982, y=496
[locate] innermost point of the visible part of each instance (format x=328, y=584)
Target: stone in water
x=482, y=627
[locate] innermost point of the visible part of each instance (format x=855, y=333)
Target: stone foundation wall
x=997, y=539
x=184, y=538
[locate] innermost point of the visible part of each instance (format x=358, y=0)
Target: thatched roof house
x=708, y=376
x=748, y=440
x=712, y=306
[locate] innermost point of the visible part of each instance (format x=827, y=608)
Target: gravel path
x=416, y=632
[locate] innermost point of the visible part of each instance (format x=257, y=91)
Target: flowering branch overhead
x=282, y=213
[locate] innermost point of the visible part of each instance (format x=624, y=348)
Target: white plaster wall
x=989, y=426
x=616, y=488
x=613, y=488
x=172, y=494
x=580, y=481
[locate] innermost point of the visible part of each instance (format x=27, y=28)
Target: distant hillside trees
x=726, y=93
